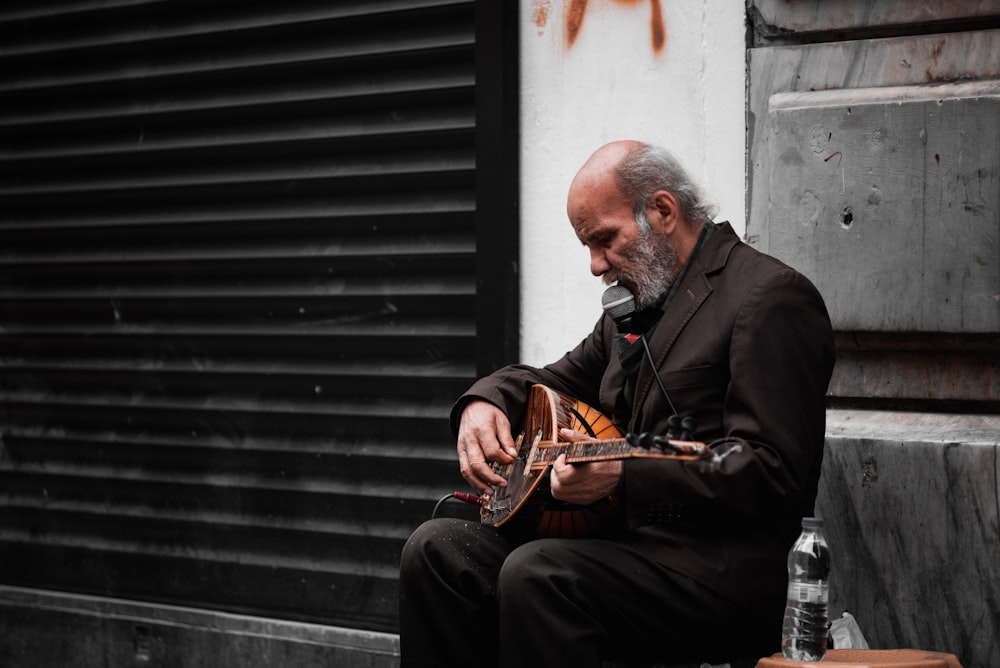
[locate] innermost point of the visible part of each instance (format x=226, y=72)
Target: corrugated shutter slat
x=238, y=295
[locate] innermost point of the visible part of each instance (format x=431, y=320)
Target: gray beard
x=656, y=262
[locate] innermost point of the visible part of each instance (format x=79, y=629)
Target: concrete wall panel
x=886, y=197
x=912, y=508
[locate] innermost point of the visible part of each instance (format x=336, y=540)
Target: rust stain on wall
x=577, y=9
x=574, y=20
x=540, y=13
x=658, y=27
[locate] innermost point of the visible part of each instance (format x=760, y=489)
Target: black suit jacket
x=745, y=347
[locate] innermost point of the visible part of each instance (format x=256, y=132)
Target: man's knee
x=534, y=568
x=423, y=542
x=447, y=544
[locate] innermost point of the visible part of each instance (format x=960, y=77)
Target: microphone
x=619, y=303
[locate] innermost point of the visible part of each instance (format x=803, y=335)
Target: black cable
x=437, y=506
x=652, y=366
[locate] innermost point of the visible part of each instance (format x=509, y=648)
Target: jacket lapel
x=691, y=294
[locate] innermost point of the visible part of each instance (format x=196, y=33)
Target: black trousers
x=469, y=596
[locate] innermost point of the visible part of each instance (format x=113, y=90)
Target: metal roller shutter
x=238, y=295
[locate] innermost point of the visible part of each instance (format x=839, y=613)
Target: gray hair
x=648, y=169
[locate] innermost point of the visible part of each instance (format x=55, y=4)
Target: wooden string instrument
x=525, y=507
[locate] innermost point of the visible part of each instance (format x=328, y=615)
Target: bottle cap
x=812, y=523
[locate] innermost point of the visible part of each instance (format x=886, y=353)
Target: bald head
x=635, y=207
x=637, y=173
x=602, y=165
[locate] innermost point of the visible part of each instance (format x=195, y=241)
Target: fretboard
x=613, y=448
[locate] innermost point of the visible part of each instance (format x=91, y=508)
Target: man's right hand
x=484, y=437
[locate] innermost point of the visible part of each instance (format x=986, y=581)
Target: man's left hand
x=583, y=483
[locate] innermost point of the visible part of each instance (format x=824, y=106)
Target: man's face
x=622, y=250
x=648, y=266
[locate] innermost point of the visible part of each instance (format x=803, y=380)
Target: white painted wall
x=609, y=84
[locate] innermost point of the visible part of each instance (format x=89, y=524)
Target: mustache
x=612, y=277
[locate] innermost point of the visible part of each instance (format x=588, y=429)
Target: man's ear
x=664, y=213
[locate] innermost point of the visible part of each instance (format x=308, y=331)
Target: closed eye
x=602, y=240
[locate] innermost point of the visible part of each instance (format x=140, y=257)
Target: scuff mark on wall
x=577, y=9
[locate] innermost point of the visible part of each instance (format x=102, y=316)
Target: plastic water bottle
x=804, y=633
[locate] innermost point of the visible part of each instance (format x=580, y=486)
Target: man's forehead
x=593, y=176
x=594, y=191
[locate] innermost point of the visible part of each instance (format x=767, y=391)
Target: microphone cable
x=656, y=375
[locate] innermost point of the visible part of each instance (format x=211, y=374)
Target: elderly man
x=726, y=341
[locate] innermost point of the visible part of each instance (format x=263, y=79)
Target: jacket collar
x=715, y=254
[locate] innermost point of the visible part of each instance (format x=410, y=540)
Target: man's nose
x=598, y=262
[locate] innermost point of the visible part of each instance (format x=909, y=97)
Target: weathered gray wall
x=911, y=508
x=875, y=170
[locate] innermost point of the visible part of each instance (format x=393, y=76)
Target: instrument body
x=525, y=507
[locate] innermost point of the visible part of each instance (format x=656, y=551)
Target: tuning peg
x=673, y=425
x=688, y=425
x=645, y=440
